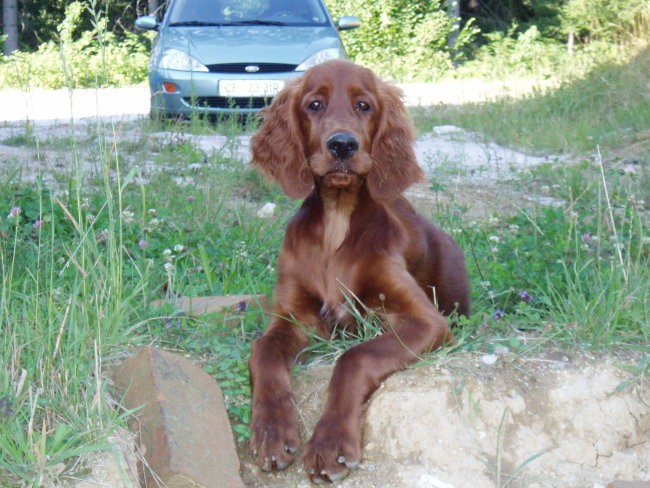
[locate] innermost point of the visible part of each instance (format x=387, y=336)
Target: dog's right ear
x=278, y=148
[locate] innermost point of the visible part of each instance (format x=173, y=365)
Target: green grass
x=83, y=257
x=609, y=107
x=81, y=261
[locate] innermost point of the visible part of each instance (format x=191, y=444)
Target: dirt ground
x=467, y=421
x=553, y=421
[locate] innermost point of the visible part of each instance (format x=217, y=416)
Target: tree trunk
x=147, y=7
x=10, y=25
x=153, y=7
x=453, y=10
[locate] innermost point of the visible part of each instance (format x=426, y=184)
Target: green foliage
x=606, y=20
x=405, y=40
x=80, y=57
x=40, y=20
x=410, y=41
x=82, y=61
x=502, y=15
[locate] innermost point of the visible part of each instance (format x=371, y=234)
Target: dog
x=340, y=138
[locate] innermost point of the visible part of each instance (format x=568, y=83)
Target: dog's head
x=339, y=125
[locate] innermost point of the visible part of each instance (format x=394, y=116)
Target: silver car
x=224, y=56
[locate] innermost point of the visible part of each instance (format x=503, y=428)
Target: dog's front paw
x=333, y=451
x=274, y=435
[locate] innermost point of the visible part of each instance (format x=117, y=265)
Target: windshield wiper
x=255, y=22
x=194, y=23
x=201, y=23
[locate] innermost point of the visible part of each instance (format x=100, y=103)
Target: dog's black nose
x=342, y=145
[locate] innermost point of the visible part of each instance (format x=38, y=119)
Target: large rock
x=181, y=419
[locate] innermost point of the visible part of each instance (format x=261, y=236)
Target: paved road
x=64, y=104
x=130, y=102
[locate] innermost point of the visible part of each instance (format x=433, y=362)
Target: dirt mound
x=521, y=422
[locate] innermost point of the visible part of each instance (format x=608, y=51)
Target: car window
x=246, y=12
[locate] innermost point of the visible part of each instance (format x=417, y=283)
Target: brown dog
x=340, y=138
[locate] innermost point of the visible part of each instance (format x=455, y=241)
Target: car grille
x=227, y=102
x=241, y=67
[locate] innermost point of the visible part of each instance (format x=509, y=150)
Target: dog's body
x=340, y=138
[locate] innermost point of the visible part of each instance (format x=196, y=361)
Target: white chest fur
x=337, y=223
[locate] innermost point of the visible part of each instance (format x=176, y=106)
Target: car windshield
x=188, y=13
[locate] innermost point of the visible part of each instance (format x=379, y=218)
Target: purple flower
x=498, y=314
x=143, y=243
x=38, y=223
x=525, y=296
x=14, y=212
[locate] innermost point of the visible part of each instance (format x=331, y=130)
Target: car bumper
x=197, y=93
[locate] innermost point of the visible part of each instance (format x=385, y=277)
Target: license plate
x=250, y=88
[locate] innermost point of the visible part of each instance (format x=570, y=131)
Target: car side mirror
x=348, y=22
x=147, y=22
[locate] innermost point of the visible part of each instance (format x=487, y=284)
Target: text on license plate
x=250, y=88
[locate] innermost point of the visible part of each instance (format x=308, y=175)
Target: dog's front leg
x=274, y=429
x=413, y=326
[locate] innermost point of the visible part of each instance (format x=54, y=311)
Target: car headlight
x=320, y=57
x=179, y=60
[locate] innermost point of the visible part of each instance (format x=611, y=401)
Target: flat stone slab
x=196, y=306
x=181, y=420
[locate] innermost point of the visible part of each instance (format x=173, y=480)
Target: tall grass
x=82, y=258
x=609, y=107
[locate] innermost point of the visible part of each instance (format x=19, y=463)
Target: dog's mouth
x=340, y=178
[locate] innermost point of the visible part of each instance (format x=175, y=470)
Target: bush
x=607, y=20
x=409, y=41
x=96, y=58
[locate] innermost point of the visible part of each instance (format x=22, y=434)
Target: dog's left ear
x=395, y=165
x=278, y=148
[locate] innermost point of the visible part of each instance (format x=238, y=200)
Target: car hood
x=254, y=44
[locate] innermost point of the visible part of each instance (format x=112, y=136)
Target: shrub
x=79, y=61
x=404, y=40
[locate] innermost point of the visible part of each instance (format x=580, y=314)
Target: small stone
x=489, y=359
x=267, y=210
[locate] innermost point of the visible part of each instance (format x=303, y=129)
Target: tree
x=10, y=25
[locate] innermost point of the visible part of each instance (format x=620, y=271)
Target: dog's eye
x=315, y=106
x=362, y=106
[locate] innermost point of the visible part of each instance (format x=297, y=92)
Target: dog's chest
x=335, y=229
x=338, y=273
